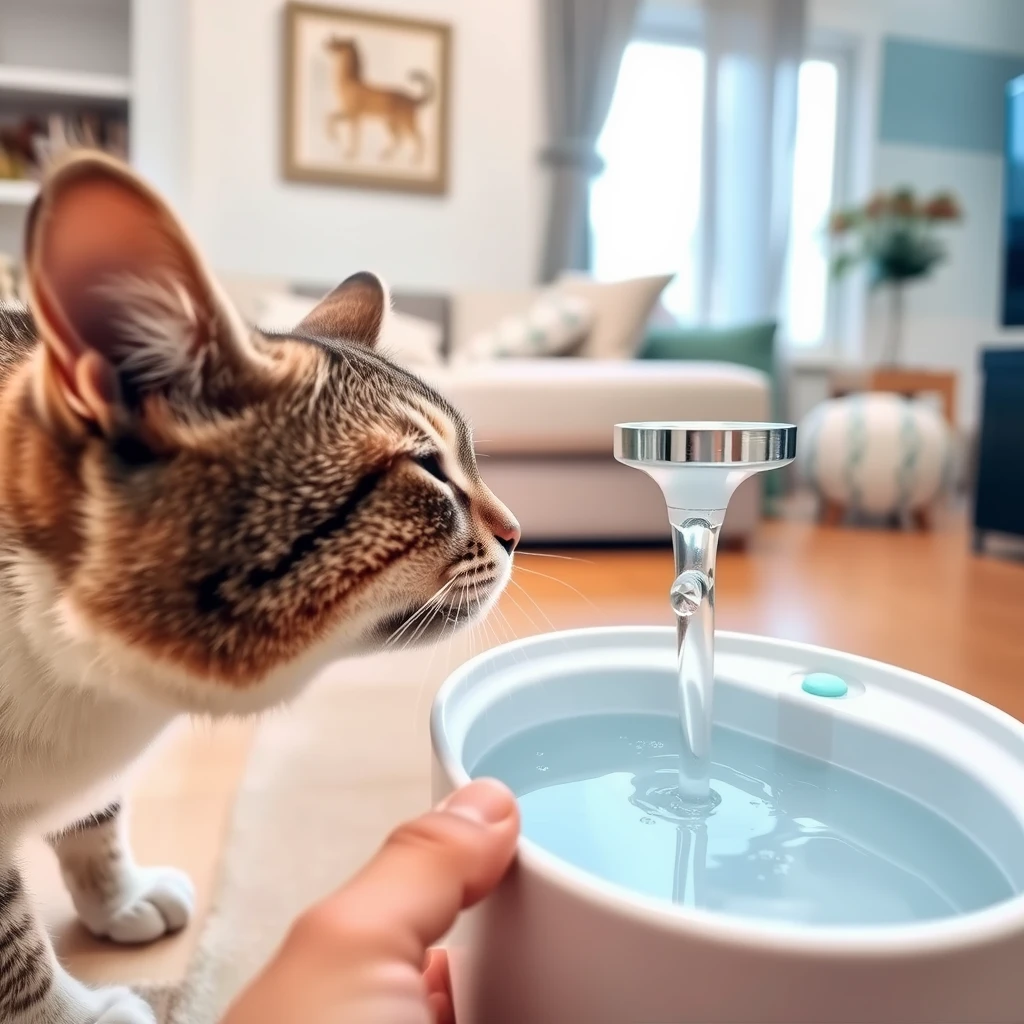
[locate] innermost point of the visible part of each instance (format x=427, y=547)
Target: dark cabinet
x=999, y=488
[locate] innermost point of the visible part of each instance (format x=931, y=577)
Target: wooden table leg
x=922, y=518
x=831, y=513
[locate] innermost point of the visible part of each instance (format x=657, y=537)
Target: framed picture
x=366, y=99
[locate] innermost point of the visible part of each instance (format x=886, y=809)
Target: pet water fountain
x=840, y=841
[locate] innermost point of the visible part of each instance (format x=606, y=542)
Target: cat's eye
x=432, y=464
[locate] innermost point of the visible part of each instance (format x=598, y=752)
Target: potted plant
x=896, y=236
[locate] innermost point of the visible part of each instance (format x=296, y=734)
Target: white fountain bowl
x=555, y=944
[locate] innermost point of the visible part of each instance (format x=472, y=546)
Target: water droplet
x=648, y=821
x=540, y=753
x=542, y=767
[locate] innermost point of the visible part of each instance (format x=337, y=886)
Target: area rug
x=327, y=779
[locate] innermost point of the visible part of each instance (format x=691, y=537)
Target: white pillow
x=408, y=340
x=621, y=310
x=411, y=341
x=555, y=325
x=282, y=311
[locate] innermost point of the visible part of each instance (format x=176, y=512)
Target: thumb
x=429, y=869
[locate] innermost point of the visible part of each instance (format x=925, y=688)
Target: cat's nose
x=508, y=536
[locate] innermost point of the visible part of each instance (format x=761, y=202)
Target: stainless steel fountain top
x=716, y=443
x=698, y=466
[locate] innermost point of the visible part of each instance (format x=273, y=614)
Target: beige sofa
x=545, y=425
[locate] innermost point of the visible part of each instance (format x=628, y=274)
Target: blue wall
x=944, y=96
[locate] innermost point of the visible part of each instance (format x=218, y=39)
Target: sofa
x=544, y=426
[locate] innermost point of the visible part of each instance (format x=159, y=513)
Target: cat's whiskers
x=426, y=615
x=555, y=579
x=523, y=611
x=425, y=624
x=536, y=603
x=546, y=554
x=419, y=611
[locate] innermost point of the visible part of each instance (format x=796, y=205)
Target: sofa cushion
x=752, y=345
x=621, y=311
x=569, y=406
x=475, y=311
x=555, y=325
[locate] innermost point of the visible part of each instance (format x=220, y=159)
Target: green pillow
x=752, y=345
x=749, y=346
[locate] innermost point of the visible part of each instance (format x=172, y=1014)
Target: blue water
x=791, y=838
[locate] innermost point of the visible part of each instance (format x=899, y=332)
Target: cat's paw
x=119, y=1006
x=159, y=901
x=69, y=1002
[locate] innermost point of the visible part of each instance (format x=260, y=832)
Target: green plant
x=896, y=236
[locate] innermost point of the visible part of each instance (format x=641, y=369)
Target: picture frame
x=366, y=99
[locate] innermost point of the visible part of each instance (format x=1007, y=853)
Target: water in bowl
x=790, y=838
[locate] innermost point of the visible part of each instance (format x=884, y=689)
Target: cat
x=195, y=516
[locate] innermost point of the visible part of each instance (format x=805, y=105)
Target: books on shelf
x=28, y=143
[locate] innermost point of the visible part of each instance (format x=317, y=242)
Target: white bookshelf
x=58, y=57
x=54, y=83
x=17, y=193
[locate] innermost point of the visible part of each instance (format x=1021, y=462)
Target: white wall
x=485, y=232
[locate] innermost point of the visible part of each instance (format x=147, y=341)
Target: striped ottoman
x=875, y=454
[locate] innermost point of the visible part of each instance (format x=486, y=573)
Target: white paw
x=119, y=1006
x=161, y=901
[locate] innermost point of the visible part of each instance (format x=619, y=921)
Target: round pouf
x=876, y=453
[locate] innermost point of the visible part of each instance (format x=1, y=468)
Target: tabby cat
x=194, y=518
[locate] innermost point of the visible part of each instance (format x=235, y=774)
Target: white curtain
x=583, y=45
x=753, y=53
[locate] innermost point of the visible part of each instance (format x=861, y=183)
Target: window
x=645, y=206
x=807, y=288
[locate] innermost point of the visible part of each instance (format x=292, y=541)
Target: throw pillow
x=555, y=325
x=751, y=345
x=621, y=310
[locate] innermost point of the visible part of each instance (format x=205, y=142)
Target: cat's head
x=219, y=508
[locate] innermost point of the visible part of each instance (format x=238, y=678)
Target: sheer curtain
x=583, y=45
x=753, y=51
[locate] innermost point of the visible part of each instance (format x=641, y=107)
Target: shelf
x=63, y=84
x=17, y=193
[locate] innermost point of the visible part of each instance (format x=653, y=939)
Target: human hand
x=363, y=954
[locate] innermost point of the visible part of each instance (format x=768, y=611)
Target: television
x=1013, y=206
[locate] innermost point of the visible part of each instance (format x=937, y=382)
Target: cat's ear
x=123, y=301
x=354, y=311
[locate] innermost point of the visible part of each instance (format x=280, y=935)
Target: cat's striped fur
x=194, y=517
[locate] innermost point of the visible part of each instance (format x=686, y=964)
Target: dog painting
x=366, y=99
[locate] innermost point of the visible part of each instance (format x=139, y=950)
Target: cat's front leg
x=34, y=988
x=115, y=898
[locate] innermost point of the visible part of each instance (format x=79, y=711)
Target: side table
x=908, y=383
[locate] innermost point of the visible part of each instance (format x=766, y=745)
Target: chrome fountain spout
x=698, y=467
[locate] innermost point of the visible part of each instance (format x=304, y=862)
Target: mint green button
x=824, y=684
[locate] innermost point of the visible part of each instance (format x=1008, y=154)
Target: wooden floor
x=922, y=601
